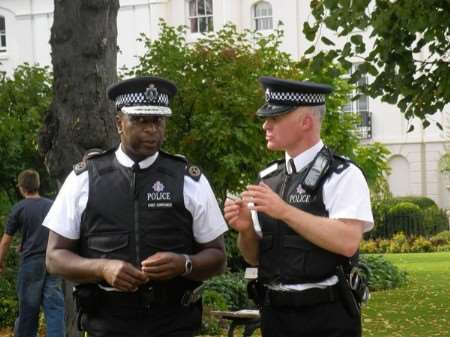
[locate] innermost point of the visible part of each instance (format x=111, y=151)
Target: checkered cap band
x=138, y=98
x=288, y=98
x=147, y=110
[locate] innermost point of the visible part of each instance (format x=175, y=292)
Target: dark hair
x=29, y=181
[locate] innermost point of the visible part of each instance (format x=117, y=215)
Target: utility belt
x=262, y=295
x=89, y=298
x=352, y=290
x=304, y=298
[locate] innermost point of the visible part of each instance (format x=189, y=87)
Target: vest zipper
x=136, y=218
x=278, y=229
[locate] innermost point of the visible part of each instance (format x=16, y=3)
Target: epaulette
x=80, y=167
x=273, y=166
x=192, y=171
x=179, y=157
x=340, y=163
x=94, y=152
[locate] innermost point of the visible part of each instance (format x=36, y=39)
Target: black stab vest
x=285, y=256
x=132, y=215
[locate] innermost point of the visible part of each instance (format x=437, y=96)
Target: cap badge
x=151, y=93
x=267, y=93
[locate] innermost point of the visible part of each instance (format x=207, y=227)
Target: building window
x=360, y=105
x=262, y=16
x=2, y=34
x=201, y=16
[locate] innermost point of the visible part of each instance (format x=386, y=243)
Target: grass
x=422, y=308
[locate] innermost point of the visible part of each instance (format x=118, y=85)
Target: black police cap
x=283, y=96
x=145, y=95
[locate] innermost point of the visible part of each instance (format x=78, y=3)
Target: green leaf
x=310, y=50
x=327, y=41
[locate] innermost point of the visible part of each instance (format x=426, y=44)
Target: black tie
x=292, y=165
x=136, y=167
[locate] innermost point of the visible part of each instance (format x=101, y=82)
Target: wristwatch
x=187, y=265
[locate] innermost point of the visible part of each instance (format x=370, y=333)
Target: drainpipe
x=33, y=54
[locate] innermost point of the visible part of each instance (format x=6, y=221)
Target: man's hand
x=265, y=200
x=237, y=215
x=163, y=266
x=123, y=275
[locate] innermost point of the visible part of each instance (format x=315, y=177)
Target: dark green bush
x=380, y=208
x=435, y=220
x=227, y=291
x=390, y=218
x=8, y=310
x=383, y=274
x=422, y=202
x=404, y=217
x=8, y=299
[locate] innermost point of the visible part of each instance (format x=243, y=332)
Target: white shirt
x=65, y=214
x=345, y=196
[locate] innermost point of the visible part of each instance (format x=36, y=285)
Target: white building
x=25, y=32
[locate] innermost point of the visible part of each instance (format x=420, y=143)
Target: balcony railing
x=365, y=128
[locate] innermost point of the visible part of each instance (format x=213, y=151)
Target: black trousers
x=321, y=320
x=155, y=321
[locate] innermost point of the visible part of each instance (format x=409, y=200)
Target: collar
x=303, y=158
x=126, y=161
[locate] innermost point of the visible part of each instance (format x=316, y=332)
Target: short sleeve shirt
x=65, y=215
x=26, y=217
x=345, y=195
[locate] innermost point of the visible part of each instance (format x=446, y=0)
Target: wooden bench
x=250, y=319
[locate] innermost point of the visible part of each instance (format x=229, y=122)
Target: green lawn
x=422, y=308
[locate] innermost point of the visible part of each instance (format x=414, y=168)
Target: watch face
x=187, y=265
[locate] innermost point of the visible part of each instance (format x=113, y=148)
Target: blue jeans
x=35, y=287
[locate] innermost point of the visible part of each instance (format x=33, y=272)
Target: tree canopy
x=24, y=99
x=409, y=59
x=214, y=122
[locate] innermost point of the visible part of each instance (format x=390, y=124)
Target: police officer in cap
x=137, y=228
x=304, y=219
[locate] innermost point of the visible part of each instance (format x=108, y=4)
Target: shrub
x=368, y=247
x=8, y=308
x=421, y=245
x=422, y=202
x=229, y=289
x=382, y=273
x=391, y=215
x=379, y=209
x=441, y=238
x=8, y=299
x=399, y=244
x=443, y=248
x=435, y=220
x=225, y=292
x=404, y=216
x=383, y=245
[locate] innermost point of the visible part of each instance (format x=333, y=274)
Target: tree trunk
x=84, y=58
